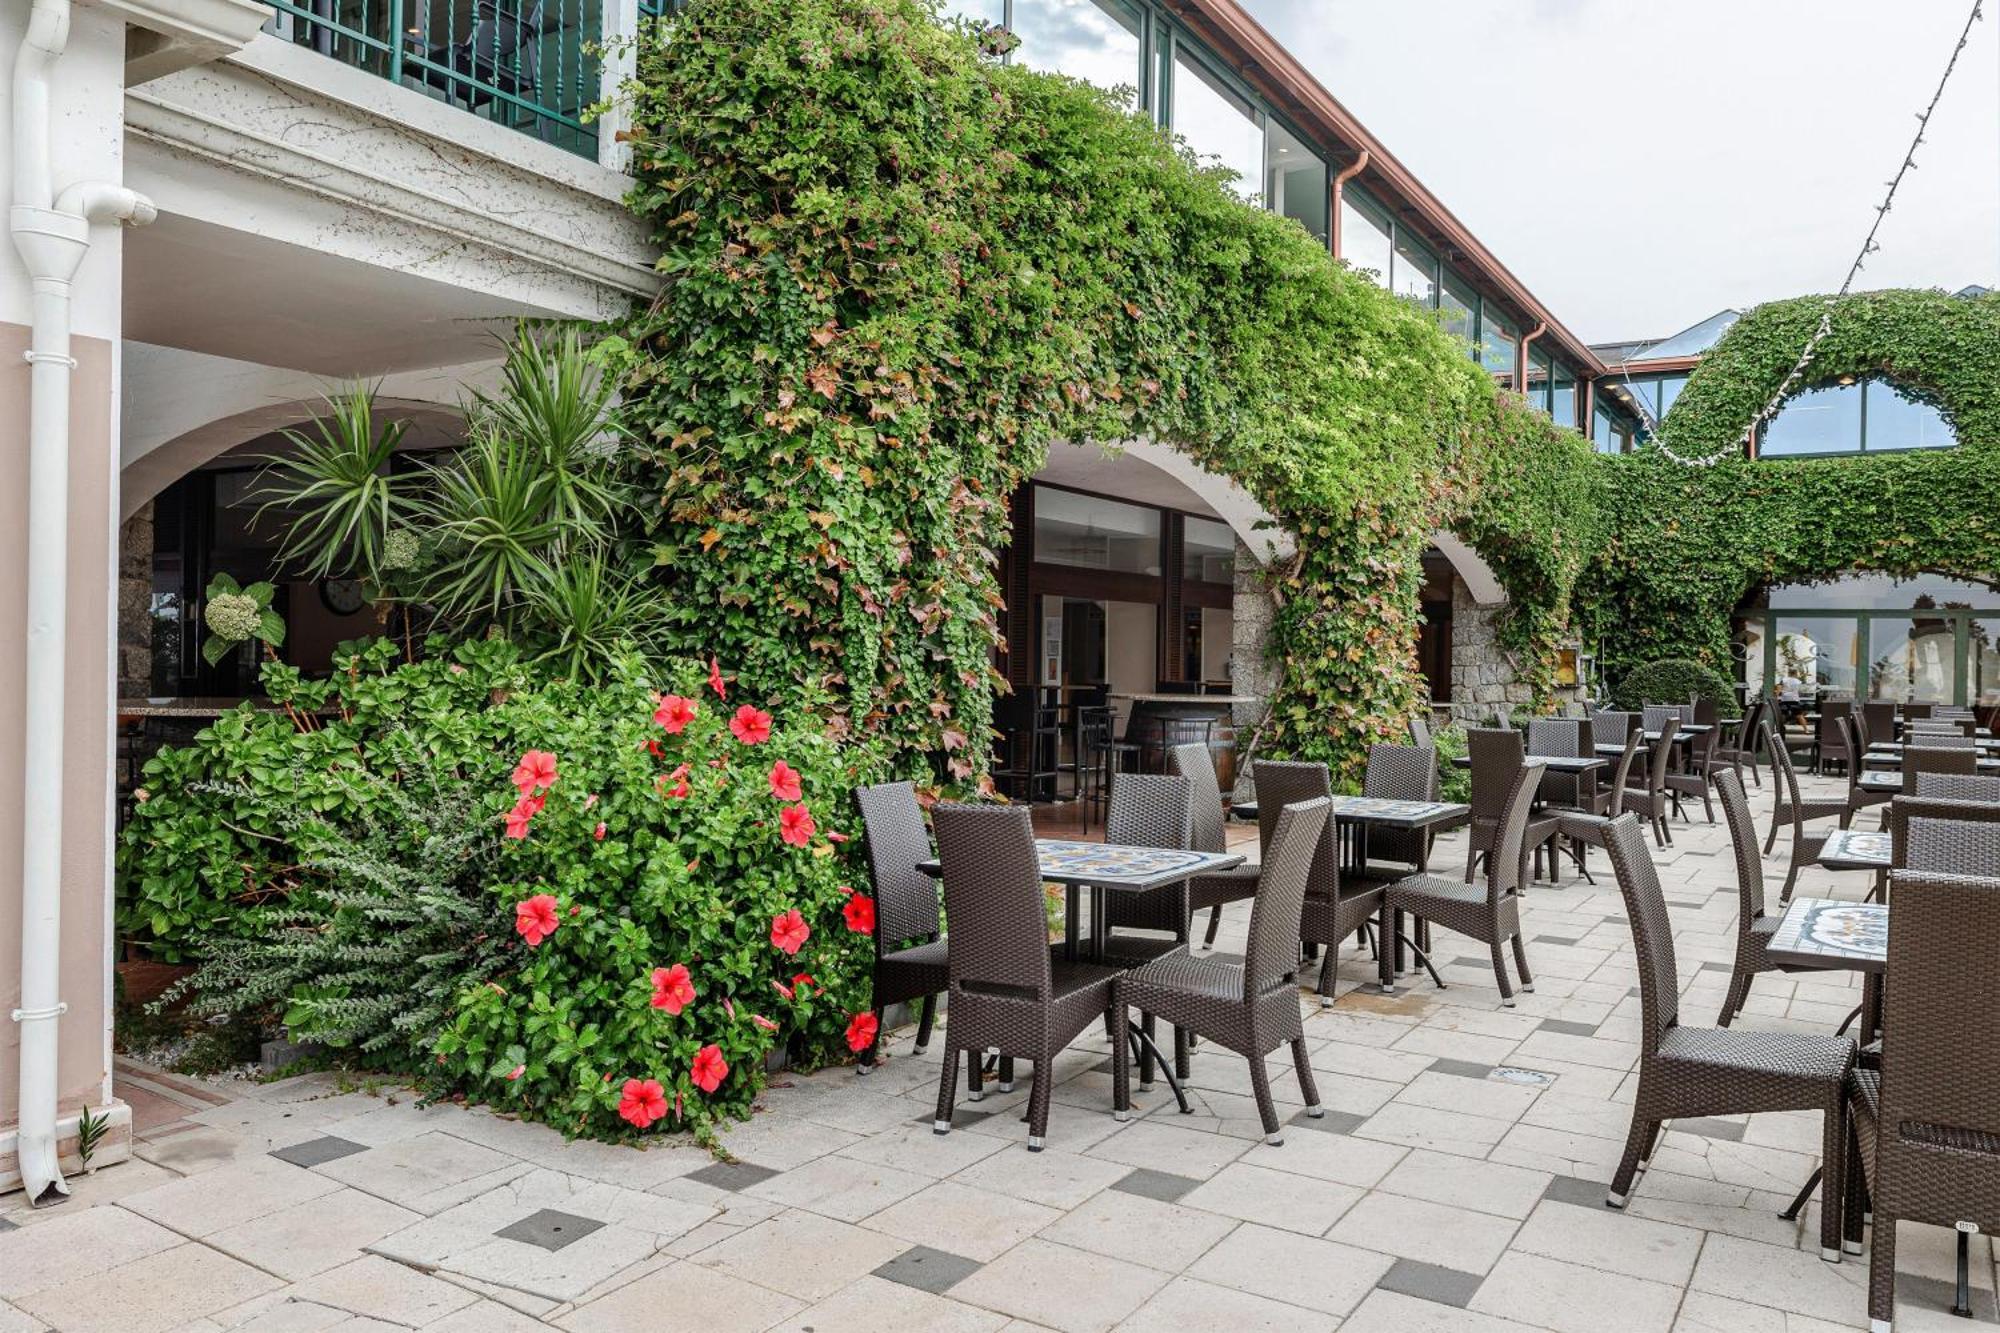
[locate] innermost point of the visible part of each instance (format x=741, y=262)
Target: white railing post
x=620, y=62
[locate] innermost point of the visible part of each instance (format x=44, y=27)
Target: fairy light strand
x=1869, y=246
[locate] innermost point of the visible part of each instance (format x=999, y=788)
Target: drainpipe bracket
x=56, y=1010
x=31, y=357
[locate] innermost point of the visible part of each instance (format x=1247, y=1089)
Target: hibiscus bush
x=660, y=894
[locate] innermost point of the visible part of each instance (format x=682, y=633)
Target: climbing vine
x=895, y=270
x=1684, y=546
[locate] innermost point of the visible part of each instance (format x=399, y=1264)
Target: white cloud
x=1642, y=165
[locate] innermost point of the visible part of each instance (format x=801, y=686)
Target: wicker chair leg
x=925, y=1018
x=1267, y=1110
x=1521, y=965
x=1006, y=1073
x=1707, y=802
x=1500, y=975
x=1038, y=1113
x=1146, y=1025
x=1471, y=863
x=1882, y=1274
x=1181, y=1069
x=1326, y=971
x=947, y=1084
x=1833, y=1159
x=975, y=1074
x=1854, y=1195
x=1777, y=820
x=1791, y=877
x=1732, y=1004
x=1308, y=1089
x=1214, y=923
x=1121, y=1062
x=1636, y=1143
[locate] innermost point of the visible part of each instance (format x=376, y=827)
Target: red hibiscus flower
x=806, y=979
x=643, y=1101
x=860, y=914
x=536, y=770
x=789, y=931
x=831, y=836
x=763, y=1022
x=861, y=1030
x=795, y=825
x=715, y=679
x=784, y=781
x=673, y=989
x=782, y=989
x=679, y=789
x=519, y=817
x=674, y=713
x=536, y=919
x=598, y=832
x=751, y=725
x=709, y=1068
x=513, y=1073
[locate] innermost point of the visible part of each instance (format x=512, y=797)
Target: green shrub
x=1454, y=783
x=1672, y=680
x=661, y=841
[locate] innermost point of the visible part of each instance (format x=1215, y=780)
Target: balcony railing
x=527, y=64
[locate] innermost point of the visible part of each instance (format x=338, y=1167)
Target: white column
x=620, y=62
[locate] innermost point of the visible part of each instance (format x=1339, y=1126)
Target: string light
x=1869, y=246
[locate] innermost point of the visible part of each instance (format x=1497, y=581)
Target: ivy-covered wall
x=1684, y=546
x=896, y=269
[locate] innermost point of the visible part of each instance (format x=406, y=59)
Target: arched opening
x=1924, y=638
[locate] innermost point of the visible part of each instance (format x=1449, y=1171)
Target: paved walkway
x=1455, y=1184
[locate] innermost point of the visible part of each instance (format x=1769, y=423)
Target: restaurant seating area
x=1405, y=1132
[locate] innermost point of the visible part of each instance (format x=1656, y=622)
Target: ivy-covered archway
x=1684, y=546
x=895, y=270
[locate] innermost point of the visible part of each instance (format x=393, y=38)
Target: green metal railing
x=527, y=64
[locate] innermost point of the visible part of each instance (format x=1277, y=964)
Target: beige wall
x=87, y=813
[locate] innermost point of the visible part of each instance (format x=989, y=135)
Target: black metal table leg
x=1798, y=1205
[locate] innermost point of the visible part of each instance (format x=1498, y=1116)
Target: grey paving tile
x=1162, y=1185
x=1711, y=967
x=926, y=1269
x=1462, y=1068
x=1913, y=1289
x=1568, y=1027
x=732, y=1175
x=1711, y=1129
x=1329, y=1121
x=1543, y=939
x=1577, y=1190
x=550, y=1229
x=315, y=1152
x=1430, y=1282
x=5, y=1225
x=964, y=1119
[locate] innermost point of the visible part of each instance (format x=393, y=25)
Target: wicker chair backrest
x=1657, y=716
x=1880, y=718
x=1652, y=930
x=1941, y=1029
x=1658, y=760
x=999, y=937
x=1420, y=730
x=1150, y=810
x=1283, y=782
x=1942, y=836
x=1935, y=759
x=1503, y=863
x=1271, y=957
x=906, y=899
x=1743, y=837
x=1401, y=772
x=1916, y=712
x=1943, y=740
x=1959, y=786
x=1611, y=725
x=1496, y=753
x=1556, y=736
x=1781, y=764
x=1622, y=775
x=1194, y=762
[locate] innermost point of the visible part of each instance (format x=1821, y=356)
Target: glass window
x=1096, y=533
x=1208, y=551
x=1540, y=370
x=1826, y=420
x=1093, y=40
x=1460, y=305
x=1605, y=433
x=986, y=11
x=1883, y=592
x=1208, y=631
x=1416, y=275
x=1750, y=638
x=1562, y=396
x=1218, y=122
x=1982, y=661
x=1897, y=420
x=1821, y=653
x=1294, y=180
x=1364, y=239
x=1670, y=387
x=1497, y=339
x=1913, y=661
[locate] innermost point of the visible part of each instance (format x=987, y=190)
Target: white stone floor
x=1444, y=1192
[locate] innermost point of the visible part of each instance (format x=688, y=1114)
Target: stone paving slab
x=1454, y=1185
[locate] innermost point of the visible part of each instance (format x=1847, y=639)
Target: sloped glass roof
x=1691, y=341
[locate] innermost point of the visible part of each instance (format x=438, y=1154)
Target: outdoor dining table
x=1360, y=813
x=1612, y=749
x=1892, y=757
x=1855, y=849
x=1104, y=869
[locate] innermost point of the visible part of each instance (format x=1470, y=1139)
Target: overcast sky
x=1641, y=165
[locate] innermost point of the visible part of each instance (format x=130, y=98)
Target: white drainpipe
x=52, y=234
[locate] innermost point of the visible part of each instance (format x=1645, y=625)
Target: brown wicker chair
x=1878, y=720
x=1490, y=913
x=1831, y=742
x=1655, y=717
x=906, y=909
x=1927, y=1124
x=1741, y=748
x=1333, y=910
x=1400, y=773
x=1943, y=837
x=1420, y=730
x=1651, y=796
x=1791, y=808
x=1928, y=759
x=1007, y=992
x=1754, y=926
x=1214, y=892
x=1859, y=798
x=1959, y=786
x=1700, y=771
x=1496, y=754
x=1252, y=1009
x=1943, y=740
x=1149, y=810
x=1688, y=1073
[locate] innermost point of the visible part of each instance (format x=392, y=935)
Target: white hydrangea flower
x=232, y=616
x=399, y=549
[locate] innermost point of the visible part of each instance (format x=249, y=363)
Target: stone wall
x=1482, y=673
x=1250, y=671
x=135, y=605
